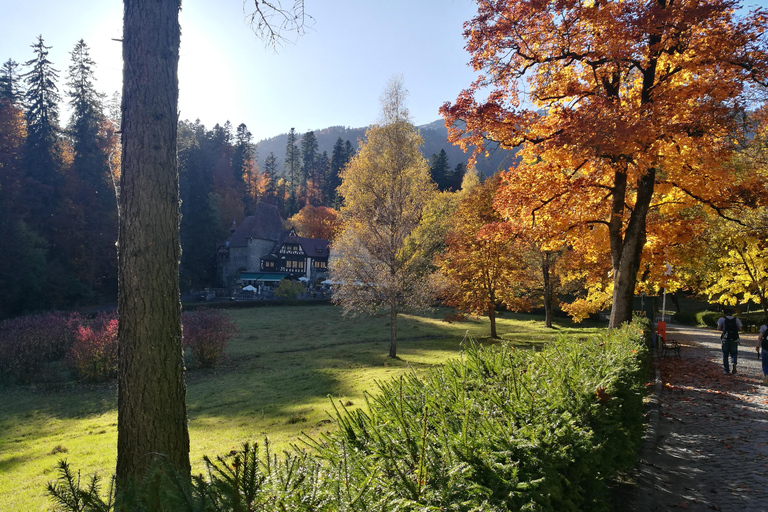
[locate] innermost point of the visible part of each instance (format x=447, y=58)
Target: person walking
x=762, y=344
x=730, y=327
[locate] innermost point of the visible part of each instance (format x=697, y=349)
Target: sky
x=333, y=75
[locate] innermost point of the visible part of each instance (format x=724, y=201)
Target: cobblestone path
x=707, y=447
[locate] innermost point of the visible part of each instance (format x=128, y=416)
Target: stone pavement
x=707, y=442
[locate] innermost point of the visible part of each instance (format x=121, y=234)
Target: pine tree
x=270, y=176
x=309, y=175
x=93, y=224
x=342, y=153
x=151, y=394
x=243, y=166
x=292, y=161
x=42, y=115
x=10, y=88
x=441, y=171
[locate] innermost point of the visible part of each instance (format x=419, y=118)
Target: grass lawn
x=281, y=373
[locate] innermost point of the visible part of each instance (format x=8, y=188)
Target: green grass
x=276, y=381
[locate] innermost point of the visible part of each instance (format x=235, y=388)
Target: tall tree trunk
x=545, y=269
x=492, y=318
x=152, y=417
x=393, y=331
x=626, y=252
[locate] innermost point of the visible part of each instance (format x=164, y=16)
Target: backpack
x=730, y=329
x=764, y=340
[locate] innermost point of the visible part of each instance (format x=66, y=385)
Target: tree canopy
x=385, y=188
x=625, y=113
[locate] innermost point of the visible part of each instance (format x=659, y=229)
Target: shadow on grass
x=11, y=463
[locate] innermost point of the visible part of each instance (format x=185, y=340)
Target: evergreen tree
x=440, y=171
x=457, y=177
x=201, y=223
x=41, y=166
x=243, y=166
x=340, y=156
x=42, y=99
x=309, y=173
x=323, y=172
x=92, y=222
x=292, y=161
x=270, y=177
x=10, y=88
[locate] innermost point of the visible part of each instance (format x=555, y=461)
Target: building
x=298, y=257
x=259, y=251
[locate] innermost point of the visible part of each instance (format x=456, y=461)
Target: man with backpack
x=762, y=344
x=730, y=326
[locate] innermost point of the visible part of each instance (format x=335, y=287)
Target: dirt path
x=707, y=446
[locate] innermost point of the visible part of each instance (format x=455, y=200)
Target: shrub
x=499, y=429
x=29, y=342
x=207, y=333
x=288, y=289
x=93, y=356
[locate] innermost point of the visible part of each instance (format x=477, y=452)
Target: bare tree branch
x=271, y=20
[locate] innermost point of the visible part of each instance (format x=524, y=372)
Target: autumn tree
x=632, y=109
x=385, y=188
x=729, y=261
x=483, y=264
x=316, y=222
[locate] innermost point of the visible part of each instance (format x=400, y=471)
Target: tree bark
x=626, y=252
x=492, y=318
x=152, y=418
x=393, y=331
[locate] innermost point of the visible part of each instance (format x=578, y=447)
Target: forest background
x=58, y=213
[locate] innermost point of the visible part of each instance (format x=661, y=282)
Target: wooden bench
x=668, y=345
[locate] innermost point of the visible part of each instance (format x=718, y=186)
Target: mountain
x=435, y=137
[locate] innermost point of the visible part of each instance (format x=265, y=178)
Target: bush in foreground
x=499, y=429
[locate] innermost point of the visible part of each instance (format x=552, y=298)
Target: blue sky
x=332, y=75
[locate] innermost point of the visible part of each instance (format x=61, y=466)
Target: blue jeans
x=765, y=361
x=730, y=348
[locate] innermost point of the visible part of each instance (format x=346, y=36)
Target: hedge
x=500, y=429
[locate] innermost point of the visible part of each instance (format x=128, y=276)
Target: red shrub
x=29, y=342
x=93, y=355
x=207, y=333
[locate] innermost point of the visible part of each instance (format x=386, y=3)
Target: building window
x=294, y=265
x=320, y=264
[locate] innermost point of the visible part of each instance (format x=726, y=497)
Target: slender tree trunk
x=545, y=268
x=152, y=418
x=626, y=253
x=492, y=318
x=393, y=331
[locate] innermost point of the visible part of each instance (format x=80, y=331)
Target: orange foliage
x=484, y=262
x=632, y=117
x=316, y=222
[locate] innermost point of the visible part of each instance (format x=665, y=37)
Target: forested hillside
x=435, y=139
x=58, y=209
